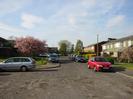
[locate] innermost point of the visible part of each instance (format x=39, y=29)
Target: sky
x=55, y=20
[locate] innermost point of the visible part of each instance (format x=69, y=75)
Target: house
x=93, y=48
x=114, y=48
x=2, y=42
x=52, y=49
x=6, y=48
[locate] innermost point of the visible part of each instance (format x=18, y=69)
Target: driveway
x=70, y=81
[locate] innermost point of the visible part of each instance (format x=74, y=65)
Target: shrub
x=111, y=60
x=127, y=55
x=40, y=60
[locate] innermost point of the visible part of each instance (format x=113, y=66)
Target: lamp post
x=97, y=44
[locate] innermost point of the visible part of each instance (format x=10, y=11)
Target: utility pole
x=97, y=44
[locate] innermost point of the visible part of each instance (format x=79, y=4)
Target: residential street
x=70, y=81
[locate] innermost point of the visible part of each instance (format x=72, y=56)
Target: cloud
x=8, y=6
x=115, y=21
x=88, y=10
x=8, y=28
x=72, y=20
x=89, y=2
x=29, y=21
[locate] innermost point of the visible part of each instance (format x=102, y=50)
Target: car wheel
x=23, y=68
x=1, y=69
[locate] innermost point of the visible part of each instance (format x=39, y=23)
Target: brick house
x=93, y=48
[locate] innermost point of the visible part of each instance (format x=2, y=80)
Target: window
x=9, y=60
x=17, y=60
x=25, y=60
x=92, y=47
x=117, y=45
x=129, y=43
x=100, y=59
x=104, y=47
x=111, y=46
x=124, y=44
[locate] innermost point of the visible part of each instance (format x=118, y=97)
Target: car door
x=7, y=65
x=16, y=63
x=26, y=62
x=12, y=64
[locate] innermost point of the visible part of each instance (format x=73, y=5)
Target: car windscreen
x=9, y=60
x=54, y=56
x=80, y=56
x=100, y=59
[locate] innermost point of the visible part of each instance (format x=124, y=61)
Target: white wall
x=117, y=45
x=129, y=43
x=104, y=47
x=124, y=44
x=111, y=46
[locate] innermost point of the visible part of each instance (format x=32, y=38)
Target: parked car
x=18, y=63
x=53, y=58
x=73, y=57
x=99, y=63
x=80, y=59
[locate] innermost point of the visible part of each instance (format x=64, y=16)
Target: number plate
x=105, y=68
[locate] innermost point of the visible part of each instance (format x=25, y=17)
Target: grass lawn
x=125, y=65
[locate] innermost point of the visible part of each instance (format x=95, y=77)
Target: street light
x=97, y=44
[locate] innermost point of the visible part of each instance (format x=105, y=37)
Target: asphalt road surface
x=70, y=81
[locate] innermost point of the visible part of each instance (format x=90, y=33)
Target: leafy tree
x=127, y=55
x=72, y=48
x=30, y=46
x=79, y=46
x=68, y=45
x=63, y=49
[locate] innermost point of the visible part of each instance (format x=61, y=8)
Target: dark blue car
x=80, y=59
x=53, y=58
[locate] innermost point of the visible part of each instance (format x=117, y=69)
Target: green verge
x=125, y=65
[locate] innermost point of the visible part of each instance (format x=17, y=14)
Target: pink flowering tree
x=29, y=46
x=127, y=55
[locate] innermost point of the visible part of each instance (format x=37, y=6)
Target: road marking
x=125, y=75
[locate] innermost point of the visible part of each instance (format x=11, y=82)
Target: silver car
x=18, y=63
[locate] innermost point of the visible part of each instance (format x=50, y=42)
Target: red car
x=99, y=63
